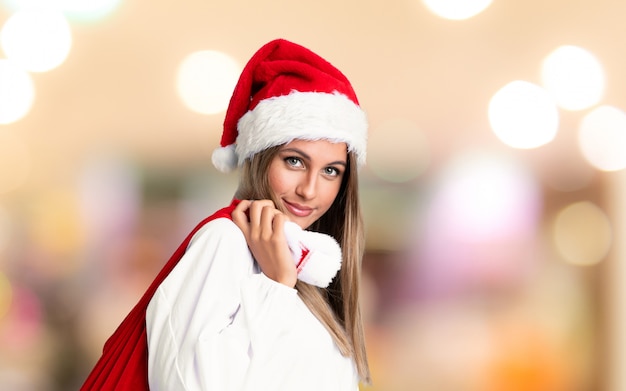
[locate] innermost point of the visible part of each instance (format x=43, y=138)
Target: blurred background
x=493, y=192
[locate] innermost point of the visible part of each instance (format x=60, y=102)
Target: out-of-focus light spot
x=17, y=92
x=523, y=115
x=109, y=196
x=20, y=4
x=15, y=5
x=82, y=10
x=206, y=80
x=6, y=295
x=602, y=138
x=398, y=151
x=574, y=76
x=457, y=9
x=56, y=230
x=480, y=228
x=582, y=233
x=484, y=197
x=23, y=323
x=37, y=39
x=15, y=162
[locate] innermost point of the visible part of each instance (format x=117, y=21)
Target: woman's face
x=306, y=177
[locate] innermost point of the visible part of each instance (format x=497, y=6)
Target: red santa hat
x=287, y=92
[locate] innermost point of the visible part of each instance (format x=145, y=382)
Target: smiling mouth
x=298, y=210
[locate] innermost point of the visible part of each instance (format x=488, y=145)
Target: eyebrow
x=307, y=157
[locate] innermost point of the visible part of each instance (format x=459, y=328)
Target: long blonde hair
x=337, y=306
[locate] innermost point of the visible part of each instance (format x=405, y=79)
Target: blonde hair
x=337, y=306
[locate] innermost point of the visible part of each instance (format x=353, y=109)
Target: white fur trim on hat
x=302, y=115
x=316, y=255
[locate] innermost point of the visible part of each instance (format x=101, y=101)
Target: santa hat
x=287, y=92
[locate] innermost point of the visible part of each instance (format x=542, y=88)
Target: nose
x=307, y=186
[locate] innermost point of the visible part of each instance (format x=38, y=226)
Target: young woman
x=229, y=311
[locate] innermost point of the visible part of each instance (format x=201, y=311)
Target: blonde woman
x=232, y=309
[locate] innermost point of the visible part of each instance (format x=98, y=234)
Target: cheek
x=278, y=181
x=274, y=183
x=330, y=193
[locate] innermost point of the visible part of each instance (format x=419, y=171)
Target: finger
x=268, y=215
x=241, y=210
x=256, y=210
x=240, y=216
x=278, y=224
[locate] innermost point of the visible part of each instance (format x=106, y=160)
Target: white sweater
x=217, y=323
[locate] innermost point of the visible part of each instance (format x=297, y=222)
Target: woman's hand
x=263, y=226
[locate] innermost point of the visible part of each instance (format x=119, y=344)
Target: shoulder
x=219, y=230
x=218, y=249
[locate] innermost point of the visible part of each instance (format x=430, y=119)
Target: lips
x=298, y=210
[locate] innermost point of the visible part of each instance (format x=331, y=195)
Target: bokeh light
x=206, y=80
x=602, y=138
x=523, y=115
x=582, y=233
x=23, y=322
x=457, y=9
x=55, y=228
x=398, y=151
x=76, y=10
x=37, y=39
x=17, y=92
x=574, y=76
x=483, y=196
x=82, y=10
x=109, y=195
x=480, y=226
x=15, y=5
x=15, y=163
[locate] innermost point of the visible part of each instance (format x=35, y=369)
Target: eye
x=332, y=171
x=293, y=161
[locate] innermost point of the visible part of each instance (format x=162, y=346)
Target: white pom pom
x=318, y=256
x=225, y=158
